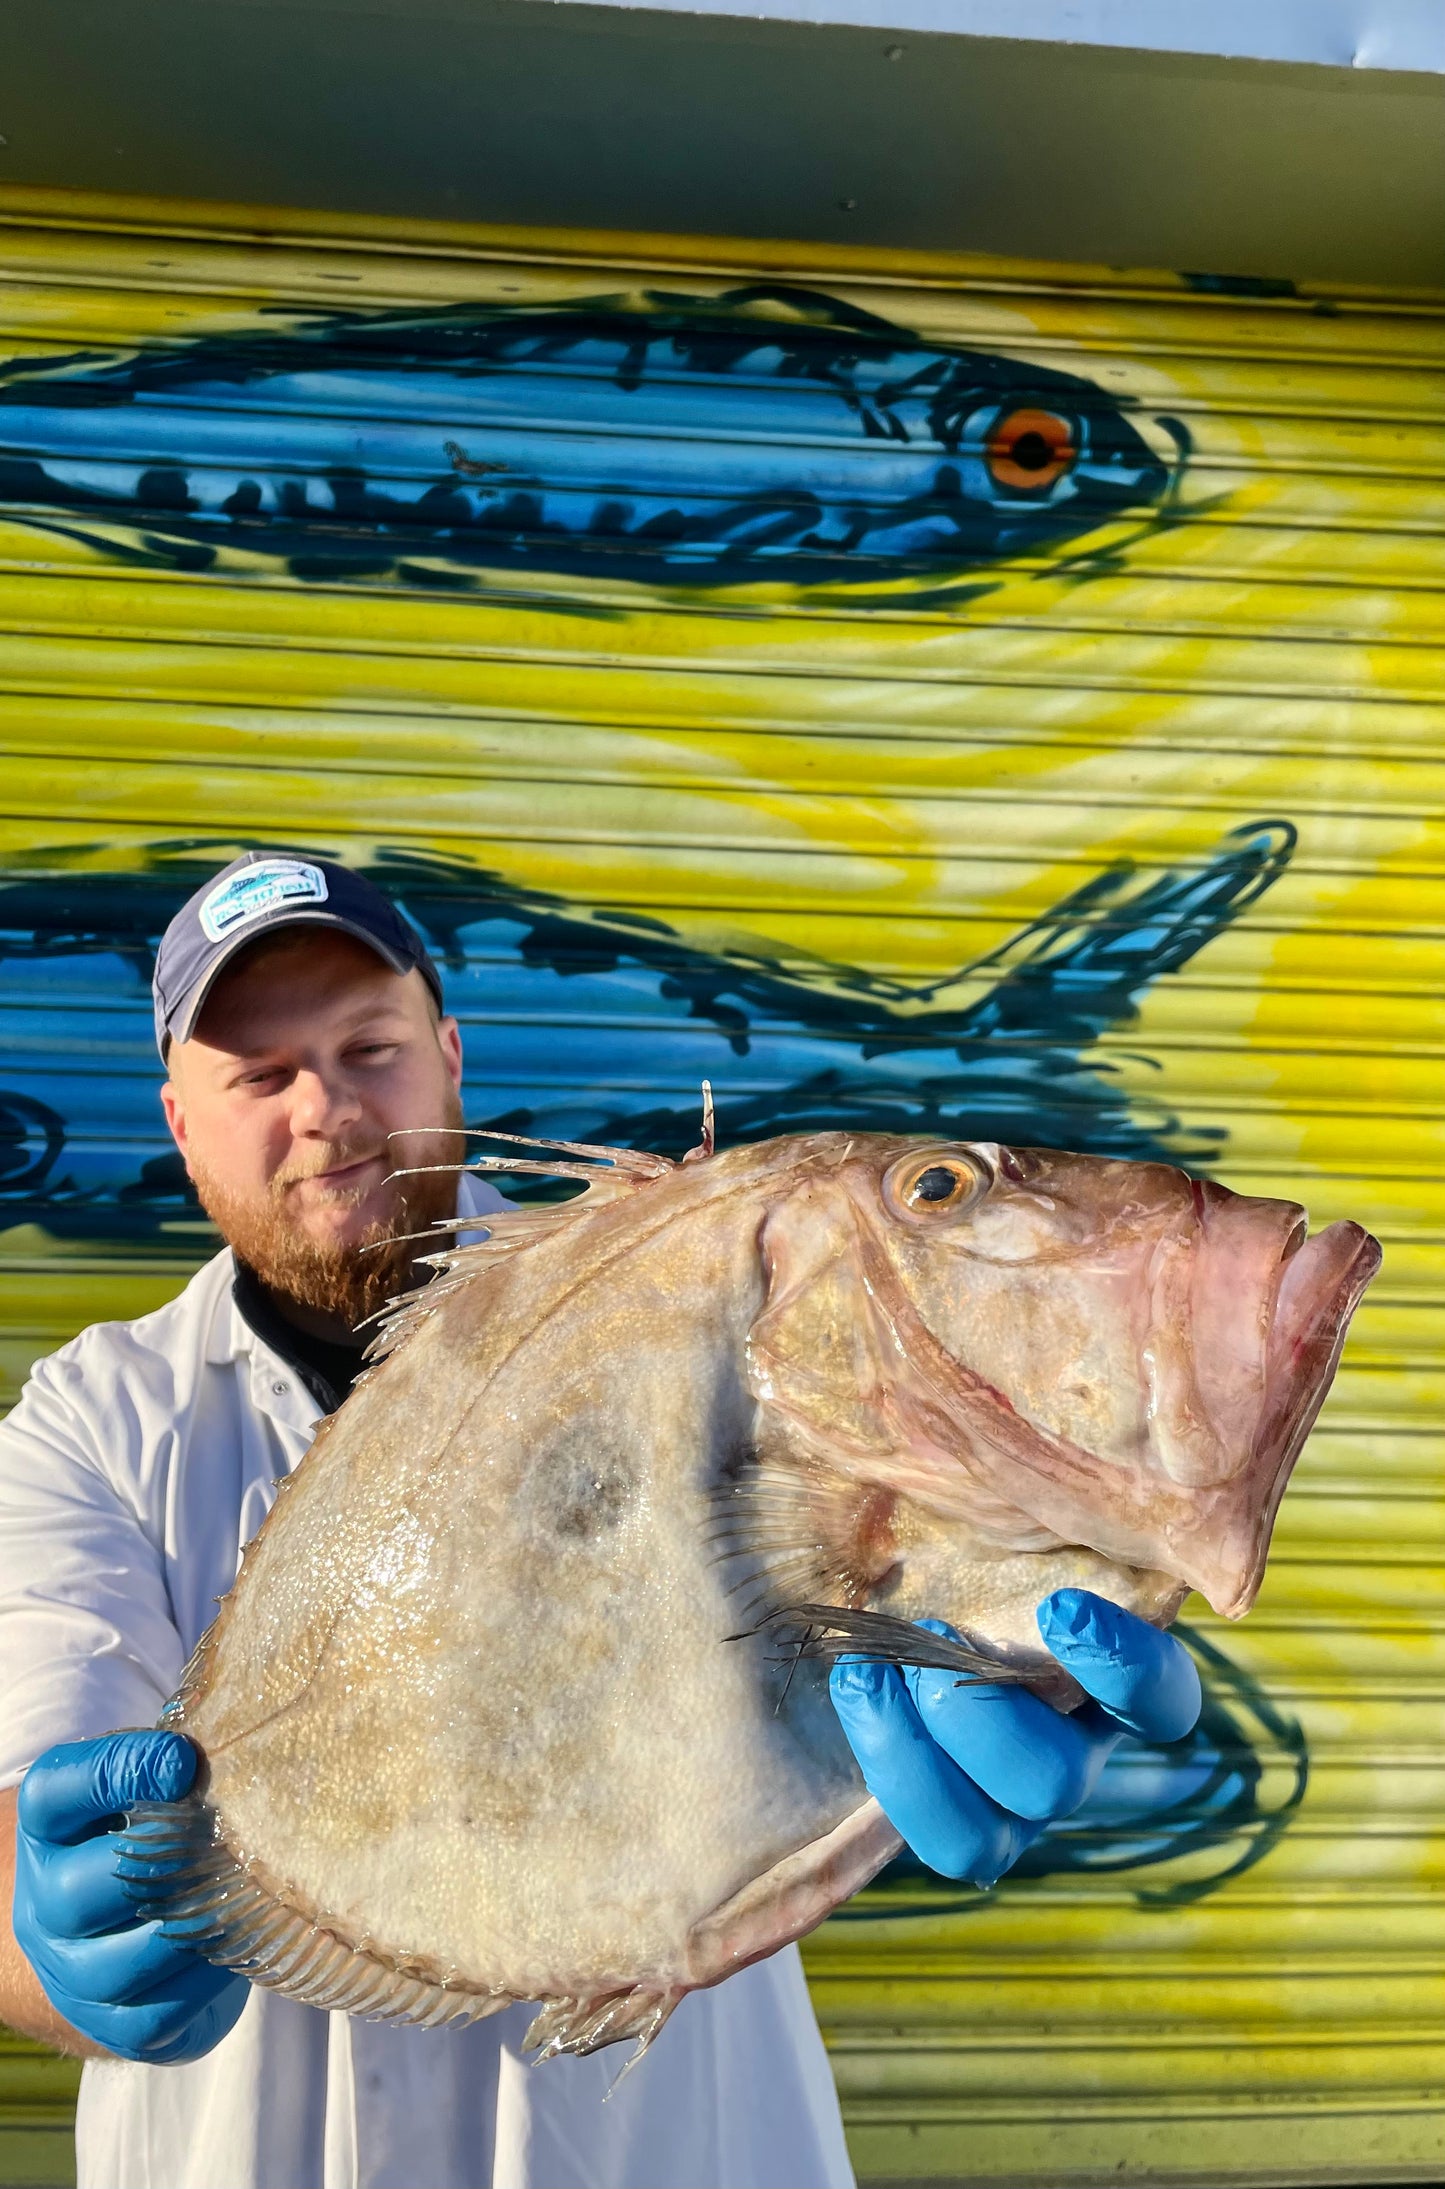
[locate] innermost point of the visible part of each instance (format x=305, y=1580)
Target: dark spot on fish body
x=577, y=1493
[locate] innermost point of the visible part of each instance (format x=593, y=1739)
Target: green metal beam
x=525, y=111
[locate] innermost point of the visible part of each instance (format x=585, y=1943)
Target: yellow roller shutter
x=922, y=692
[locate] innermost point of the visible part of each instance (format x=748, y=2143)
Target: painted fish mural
x=555, y=999
x=764, y=432
x=267, y=585
x=669, y=440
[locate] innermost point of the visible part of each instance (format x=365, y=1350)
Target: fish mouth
x=1321, y=1282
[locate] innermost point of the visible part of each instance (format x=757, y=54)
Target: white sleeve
x=88, y=1642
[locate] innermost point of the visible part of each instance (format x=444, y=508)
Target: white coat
x=139, y=1461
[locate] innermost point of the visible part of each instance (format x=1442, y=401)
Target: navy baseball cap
x=253, y=896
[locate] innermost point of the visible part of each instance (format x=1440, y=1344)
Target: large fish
x=495, y=1709
x=762, y=432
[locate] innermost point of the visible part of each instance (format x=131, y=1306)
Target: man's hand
x=111, y=1975
x=971, y=1774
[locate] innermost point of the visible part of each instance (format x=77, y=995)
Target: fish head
x=1040, y=463
x=1054, y=1355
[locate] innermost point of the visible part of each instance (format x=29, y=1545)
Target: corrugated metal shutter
x=1094, y=784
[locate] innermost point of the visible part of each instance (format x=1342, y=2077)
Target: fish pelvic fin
x=175, y=1865
x=830, y=1632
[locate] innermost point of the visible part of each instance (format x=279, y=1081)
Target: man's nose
x=322, y=1103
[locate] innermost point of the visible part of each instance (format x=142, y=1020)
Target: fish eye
x=1031, y=449
x=934, y=1182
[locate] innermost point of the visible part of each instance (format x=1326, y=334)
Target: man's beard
x=352, y=1281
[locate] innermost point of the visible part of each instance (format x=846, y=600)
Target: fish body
x=498, y=1707
x=761, y=432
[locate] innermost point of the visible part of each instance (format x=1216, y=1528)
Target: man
x=301, y=1023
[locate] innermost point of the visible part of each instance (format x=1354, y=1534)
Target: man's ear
x=449, y=1041
x=175, y=1113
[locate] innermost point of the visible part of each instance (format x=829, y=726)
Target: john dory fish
x=473, y=1728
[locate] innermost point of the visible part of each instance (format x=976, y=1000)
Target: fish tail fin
x=176, y=1867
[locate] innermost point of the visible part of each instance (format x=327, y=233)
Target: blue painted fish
x=768, y=431
x=598, y=1024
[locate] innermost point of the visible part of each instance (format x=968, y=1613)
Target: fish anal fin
x=176, y=1866
x=601, y=2018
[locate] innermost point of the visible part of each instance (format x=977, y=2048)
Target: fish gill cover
x=764, y=432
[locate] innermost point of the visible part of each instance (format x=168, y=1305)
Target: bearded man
x=302, y=1024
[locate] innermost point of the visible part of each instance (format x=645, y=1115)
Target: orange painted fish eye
x=1030, y=449
x=934, y=1182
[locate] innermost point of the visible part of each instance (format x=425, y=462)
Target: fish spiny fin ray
x=586, y=2025
x=606, y=1175
x=193, y=1673
x=640, y=1162
x=176, y=1867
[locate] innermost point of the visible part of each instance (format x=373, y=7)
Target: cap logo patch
x=256, y=890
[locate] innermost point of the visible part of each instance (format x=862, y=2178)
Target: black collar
x=327, y=1369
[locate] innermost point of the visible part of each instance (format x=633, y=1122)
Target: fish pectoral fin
x=175, y=1866
x=799, y=1528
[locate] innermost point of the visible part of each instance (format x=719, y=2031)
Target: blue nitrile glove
x=112, y=1975
x=970, y=1774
